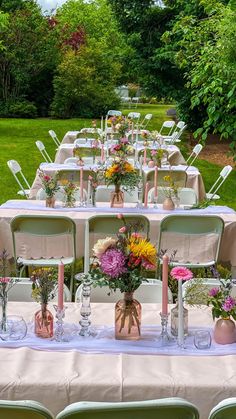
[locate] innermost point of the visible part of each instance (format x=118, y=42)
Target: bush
x=153, y=101
x=22, y=109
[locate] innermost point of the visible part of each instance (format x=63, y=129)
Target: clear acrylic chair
x=211, y=195
x=167, y=408
x=19, y=177
x=53, y=135
x=41, y=147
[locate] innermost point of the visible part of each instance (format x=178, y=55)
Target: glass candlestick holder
x=140, y=195
x=85, y=310
x=59, y=334
x=164, y=338
x=155, y=202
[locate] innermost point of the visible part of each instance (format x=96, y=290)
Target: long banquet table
x=39, y=248
x=57, y=377
x=194, y=177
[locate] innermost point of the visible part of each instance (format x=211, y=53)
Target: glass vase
x=70, y=201
x=93, y=196
x=128, y=318
x=50, y=201
x=3, y=325
x=43, y=322
x=117, y=198
x=175, y=319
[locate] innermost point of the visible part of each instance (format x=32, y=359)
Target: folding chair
x=103, y=194
x=169, y=408
x=196, y=238
x=207, y=282
x=54, y=137
x=169, y=125
x=103, y=225
x=146, y=120
x=196, y=150
x=187, y=196
x=19, y=177
x=43, y=151
x=179, y=177
x=175, y=136
x=219, y=181
x=23, y=409
x=44, y=226
x=226, y=409
x=22, y=291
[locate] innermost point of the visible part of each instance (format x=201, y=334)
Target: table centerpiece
x=50, y=186
x=119, y=263
x=6, y=283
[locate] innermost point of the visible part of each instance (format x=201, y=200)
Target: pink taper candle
x=60, y=286
x=155, y=182
x=165, y=261
x=146, y=195
x=145, y=157
x=81, y=184
x=102, y=154
x=132, y=132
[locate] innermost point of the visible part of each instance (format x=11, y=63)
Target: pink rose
x=122, y=229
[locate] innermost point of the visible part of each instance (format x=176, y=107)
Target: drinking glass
x=16, y=329
x=202, y=339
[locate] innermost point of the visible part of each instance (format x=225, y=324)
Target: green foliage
x=18, y=109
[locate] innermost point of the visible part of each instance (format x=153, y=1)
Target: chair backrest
x=17, y=172
x=43, y=151
x=169, y=408
x=22, y=291
x=167, y=124
x=101, y=226
x=148, y=292
x=54, y=137
x=72, y=175
x=209, y=283
x=199, y=234
x=179, y=177
x=220, y=180
x=113, y=112
x=59, y=195
x=177, y=134
x=134, y=115
x=103, y=194
x=23, y=409
x=187, y=196
x=196, y=150
x=226, y=409
x=43, y=225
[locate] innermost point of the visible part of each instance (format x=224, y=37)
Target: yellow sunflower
x=140, y=247
x=128, y=167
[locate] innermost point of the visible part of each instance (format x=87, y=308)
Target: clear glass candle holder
x=202, y=339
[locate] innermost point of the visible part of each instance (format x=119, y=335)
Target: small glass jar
x=175, y=319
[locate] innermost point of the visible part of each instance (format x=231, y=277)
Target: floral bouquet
x=170, y=190
x=70, y=188
x=121, y=172
x=119, y=263
x=223, y=304
x=6, y=283
x=77, y=152
x=95, y=177
x=50, y=183
x=123, y=148
x=119, y=124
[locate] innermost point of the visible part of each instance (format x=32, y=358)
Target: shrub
x=21, y=109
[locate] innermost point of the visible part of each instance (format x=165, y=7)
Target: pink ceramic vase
x=151, y=163
x=224, y=331
x=168, y=204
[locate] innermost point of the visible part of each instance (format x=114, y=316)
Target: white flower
x=102, y=245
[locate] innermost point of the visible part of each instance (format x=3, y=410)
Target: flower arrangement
x=170, y=190
x=122, y=149
x=119, y=124
x=50, y=183
x=156, y=155
x=223, y=304
x=6, y=283
x=44, y=284
x=95, y=177
x=119, y=262
x=121, y=172
x=69, y=189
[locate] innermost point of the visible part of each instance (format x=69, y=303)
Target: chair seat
x=212, y=196
x=45, y=262
x=27, y=192
x=192, y=265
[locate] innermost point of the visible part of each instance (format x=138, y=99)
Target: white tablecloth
x=57, y=378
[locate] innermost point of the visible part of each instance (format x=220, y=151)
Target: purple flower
x=229, y=304
x=124, y=141
x=213, y=292
x=113, y=263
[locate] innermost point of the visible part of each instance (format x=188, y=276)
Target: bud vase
x=117, y=198
x=128, y=318
x=168, y=204
x=43, y=322
x=50, y=201
x=175, y=320
x=224, y=331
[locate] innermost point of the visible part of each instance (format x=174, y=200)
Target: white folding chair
x=167, y=125
x=53, y=135
x=134, y=116
x=207, y=282
x=226, y=409
x=24, y=409
x=22, y=291
x=113, y=112
x=175, y=136
x=43, y=151
x=59, y=195
x=150, y=291
x=187, y=196
x=19, y=177
x=168, y=408
x=196, y=150
x=71, y=160
x=146, y=120
x=219, y=181
x=103, y=194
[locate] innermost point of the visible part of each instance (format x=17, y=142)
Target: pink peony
x=113, y=263
x=213, y=291
x=229, y=304
x=5, y=280
x=180, y=272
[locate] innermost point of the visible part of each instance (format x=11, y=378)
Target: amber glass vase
x=43, y=322
x=128, y=318
x=50, y=201
x=117, y=198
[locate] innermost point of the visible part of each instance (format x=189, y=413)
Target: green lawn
x=18, y=136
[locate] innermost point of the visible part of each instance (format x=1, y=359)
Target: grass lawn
x=18, y=136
